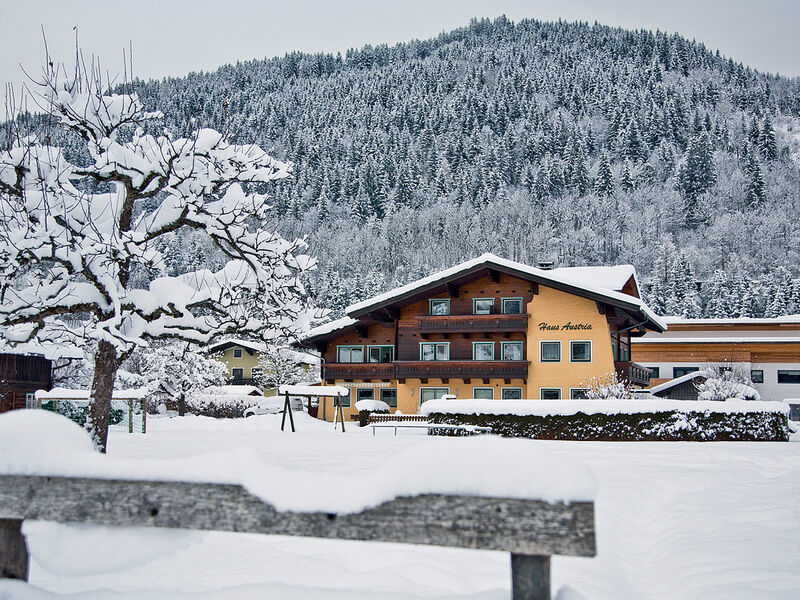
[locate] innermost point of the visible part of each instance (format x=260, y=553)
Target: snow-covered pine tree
x=74, y=236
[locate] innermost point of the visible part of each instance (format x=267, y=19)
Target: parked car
x=273, y=405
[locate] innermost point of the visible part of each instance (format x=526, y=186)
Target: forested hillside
x=536, y=141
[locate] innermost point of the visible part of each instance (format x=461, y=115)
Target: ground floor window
x=655, y=372
x=432, y=393
x=788, y=376
x=365, y=394
x=30, y=400
x=681, y=371
x=757, y=376
x=577, y=394
x=390, y=397
x=237, y=373
x=483, y=393
x=511, y=393
x=550, y=393
x=256, y=372
x=345, y=400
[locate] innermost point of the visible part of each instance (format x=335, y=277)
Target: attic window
x=237, y=353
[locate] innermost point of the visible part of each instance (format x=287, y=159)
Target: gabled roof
x=668, y=385
x=236, y=342
x=597, y=283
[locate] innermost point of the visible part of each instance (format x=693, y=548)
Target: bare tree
x=73, y=236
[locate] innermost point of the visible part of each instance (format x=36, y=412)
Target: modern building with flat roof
x=771, y=347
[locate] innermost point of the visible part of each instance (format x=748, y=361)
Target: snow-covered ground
x=674, y=520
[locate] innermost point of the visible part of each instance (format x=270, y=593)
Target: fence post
x=130, y=415
x=530, y=577
x=144, y=415
x=13, y=550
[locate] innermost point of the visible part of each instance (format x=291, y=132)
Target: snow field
x=674, y=520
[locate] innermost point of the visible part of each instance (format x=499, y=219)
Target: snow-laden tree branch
x=71, y=235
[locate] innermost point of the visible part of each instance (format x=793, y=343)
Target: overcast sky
x=172, y=37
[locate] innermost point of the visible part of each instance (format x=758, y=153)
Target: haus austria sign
x=568, y=326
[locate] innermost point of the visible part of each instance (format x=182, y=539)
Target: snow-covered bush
x=279, y=366
x=727, y=382
x=366, y=407
x=608, y=387
x=220, y=403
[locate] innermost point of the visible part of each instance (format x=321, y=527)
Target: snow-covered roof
x=234, y=390
x=68, y=394
x=313, y=390
x=331, y=327
x=612, y=278
x=674, y=320
x=578, y=280
x=733, y=339
x=667, y=385
x=254, y=346
x=49, y=350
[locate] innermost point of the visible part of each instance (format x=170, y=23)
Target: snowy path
x=675, y=520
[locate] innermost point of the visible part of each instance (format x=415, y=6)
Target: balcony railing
x=358, y=371
x=466, y=323
x=633, y=373
x=424, y=369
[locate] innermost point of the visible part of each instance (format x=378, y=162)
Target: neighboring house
x=21, y=375
x=486, y=328
x=680, y=388
x=241, y=358
x=770, y=346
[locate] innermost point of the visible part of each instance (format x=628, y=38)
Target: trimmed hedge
x=677, y=426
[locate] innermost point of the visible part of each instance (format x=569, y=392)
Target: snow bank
x=35, y=442
x=372, y=406
x=544, y=408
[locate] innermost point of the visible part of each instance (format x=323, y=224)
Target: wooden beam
x=530, y=577
x=13, y=550
x=452, y=289
x=601, y=308
x=534, y=288
x=423, y=380
x=466, y=380
x=445, y=380
x=520, y=526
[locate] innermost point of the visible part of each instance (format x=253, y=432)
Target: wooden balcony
x=424, y=369
x=463, y=369
x=357, y=371
x=634, y=373
x=468, y=323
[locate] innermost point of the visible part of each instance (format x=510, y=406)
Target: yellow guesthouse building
x=487, y=328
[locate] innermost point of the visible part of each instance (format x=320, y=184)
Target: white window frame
x=491, y=389
x=431, y=387
x=474, y=305
x=238, y=353
x=494, y=357
x=591, y=351
x=521, y=305
x=560, y=353
x=577, y=389
x=349, y=347
x=371, y=346
x=550, y=389
x=434, y=350
x=504, y=389
x=430, y=306
x=517, y=343
x=30, y=400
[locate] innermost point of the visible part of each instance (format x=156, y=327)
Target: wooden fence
x=531, y=530
x=384, y=418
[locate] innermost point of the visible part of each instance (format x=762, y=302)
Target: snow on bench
x=470, y=494
x=544, y=408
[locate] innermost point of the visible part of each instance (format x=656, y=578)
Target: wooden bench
x=469, y=429
x=531, y=530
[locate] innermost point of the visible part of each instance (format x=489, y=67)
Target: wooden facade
x=20, y=376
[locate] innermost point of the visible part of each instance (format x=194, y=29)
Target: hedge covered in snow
x=625, y=420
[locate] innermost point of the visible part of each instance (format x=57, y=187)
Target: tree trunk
x=106, y=364
x=182, y=404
